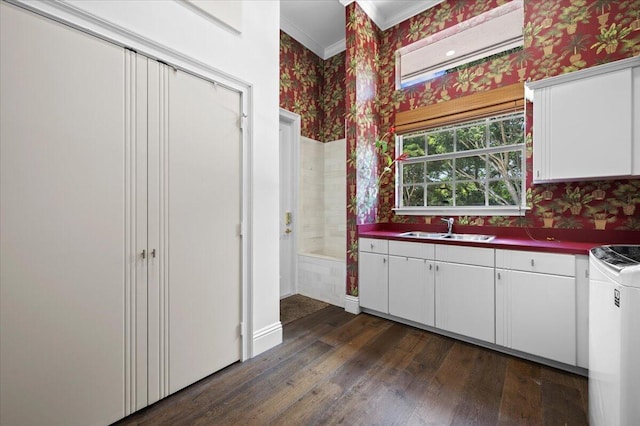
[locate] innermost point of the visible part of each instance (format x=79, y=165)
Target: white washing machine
x=614, y=335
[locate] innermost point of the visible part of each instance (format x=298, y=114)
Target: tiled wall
x=311, y=197
x=322, y=197
x=335, y=195
x=321, y=278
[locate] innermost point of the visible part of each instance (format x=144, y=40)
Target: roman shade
x=483, y=104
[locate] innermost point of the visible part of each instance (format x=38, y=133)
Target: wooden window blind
x=479, y=105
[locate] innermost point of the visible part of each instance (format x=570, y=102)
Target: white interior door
x=203, y=199
x=287, y=202
x=65, y=213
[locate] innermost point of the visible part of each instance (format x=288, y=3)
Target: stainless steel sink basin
x=445, y=236
x=419, y=234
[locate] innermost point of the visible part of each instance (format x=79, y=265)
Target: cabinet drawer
x=373, y=245
x=532, y=261
x=408, y=249
x=466, y=255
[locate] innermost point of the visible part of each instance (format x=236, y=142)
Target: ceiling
x=320, y=24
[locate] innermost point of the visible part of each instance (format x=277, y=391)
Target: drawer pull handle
x=498, y=275
x=371, y=246
x=532, y=263
x=384, y=260
x=430, y=266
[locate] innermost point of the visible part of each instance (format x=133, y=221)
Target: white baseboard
x=267, y=338
x=351, y=304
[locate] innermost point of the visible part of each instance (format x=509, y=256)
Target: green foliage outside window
x=480, y=163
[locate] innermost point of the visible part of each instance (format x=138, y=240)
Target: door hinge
x=243, y=118
x=241, y=329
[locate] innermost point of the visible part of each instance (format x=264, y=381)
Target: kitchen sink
x=428, y=235
x=445, y=236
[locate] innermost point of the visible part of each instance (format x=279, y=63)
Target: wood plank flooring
x=337, y=368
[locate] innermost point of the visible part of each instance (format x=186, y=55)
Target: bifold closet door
x=198, y=204
x=67, y=257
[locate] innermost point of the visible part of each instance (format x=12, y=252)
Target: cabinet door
x=411, y=289
x=571, y=121
x=68, y=225
x=535, y=313
x=465, y=300
x=373, y=289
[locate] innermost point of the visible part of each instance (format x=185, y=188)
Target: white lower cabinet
x=412, y=282
x=536, y=311
x=465, y=300
x=532, y=302
x=373, y=275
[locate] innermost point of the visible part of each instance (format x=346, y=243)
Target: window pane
x=413, y=173
x=468, y=168
x=470, y=194
x=506, y=132
x=413, y=195
x=505, y=192
x=439, y=171
x=440, y=142
x=472, y=137
x=505, y=165
x=440, y=195
x=414, y=146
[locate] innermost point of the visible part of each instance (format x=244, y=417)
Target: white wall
x=251, y=57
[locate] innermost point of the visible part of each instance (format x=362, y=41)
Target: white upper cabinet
x=583, y=123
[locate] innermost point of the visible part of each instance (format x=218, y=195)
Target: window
x=495, y=32
x=475, y=167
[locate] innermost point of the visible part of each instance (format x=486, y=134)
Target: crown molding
x=301, y=37
x=335, y=48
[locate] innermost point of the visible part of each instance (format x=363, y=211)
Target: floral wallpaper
x=560, y=36
x=362, y=76
x=333, y=99
x=313, y=88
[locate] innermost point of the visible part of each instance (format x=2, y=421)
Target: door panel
x=204, y=213
x=65, y=213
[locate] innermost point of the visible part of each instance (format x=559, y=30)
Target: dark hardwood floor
x=338, y=368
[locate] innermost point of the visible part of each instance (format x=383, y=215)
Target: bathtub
x=322, y=276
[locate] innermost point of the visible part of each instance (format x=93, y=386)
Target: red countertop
x=567, y=241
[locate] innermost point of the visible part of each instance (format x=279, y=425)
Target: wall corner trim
x=351, y=304
x=267, y=338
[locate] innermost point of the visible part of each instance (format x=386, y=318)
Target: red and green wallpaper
x=560, y=36
x=313, y=88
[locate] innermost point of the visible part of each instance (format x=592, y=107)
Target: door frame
x=292, y=121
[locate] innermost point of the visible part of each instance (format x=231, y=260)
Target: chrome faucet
x=449, y=224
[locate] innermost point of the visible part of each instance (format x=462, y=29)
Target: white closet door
x=66, y=208
x=204, y=212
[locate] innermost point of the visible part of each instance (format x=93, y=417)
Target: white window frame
x=485, y=210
